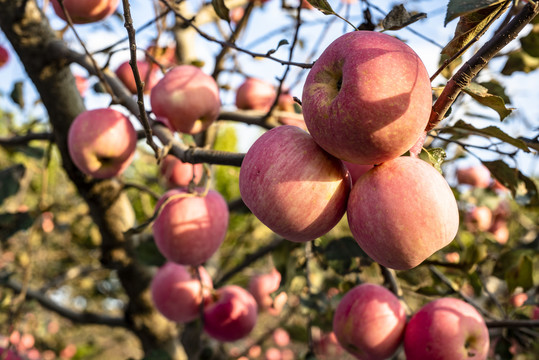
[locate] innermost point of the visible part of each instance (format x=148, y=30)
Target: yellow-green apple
x=292, y=185
x=261, y=286
x=401, y=212
x=369, y=322
x=477, y=176
x=188, y=98
x=255, y=94
x=356, y=170
x=190, y=227
x=4, y=56
x=176, y=173
x=231, y=314
x=176, y=291
x=86, y=11
x=479, y=218
x=368, y=98
x=446, y=329
x=102, y=142
x=147, y=71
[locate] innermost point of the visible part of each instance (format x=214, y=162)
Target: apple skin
x=446, y=329
x=261, y=286
x=147, y=72
x=4, y=56
x=356, y=170
x=255, y=94
x=293, y=186
x=102, y=142
x=369, y=322
x=176, y=173
x=86, y=11
x=478, y=219
x=286, y=103
x=176, y=291
x=232, y=314
x=188, y=98
x=401, y=212
x=368, y=98
x=477, y=176
x=190, y=229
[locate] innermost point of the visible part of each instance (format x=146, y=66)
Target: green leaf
x=495, y=88
x=343, y=249
x=481, y=95
x=10, y=179
x=520, y=61
x=492, y=131
x=17, y=94
x=434, y=156
x=281, y=43
x=148, y=254
x=11, y=223
x=399, y=17
x=470, y=25
x=458, y=8
x=520, y=275
x=530, y=42
x=323, y=6
x=220, y=9
x=524, y=189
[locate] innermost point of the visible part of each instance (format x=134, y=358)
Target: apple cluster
x=366, y=101
x=370, y=323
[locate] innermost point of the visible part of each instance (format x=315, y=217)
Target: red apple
x=452, y=257
x=86, y=11
x=293, y=186
x=188, y=98
x=356, y=170
x=176, y=291
x=255, y=94
x=369, y=322
x=190, y=227
x=286, y=104
x=165, y=56
x=478, y=218
x=327, y=347
x=273, y=353
x=446, y=329
x=232, y=314
x=236, y=14
x=500, y=231
x=176, y=173
x=102, y=142
x=281, y=338
x=368, y=98
x=147, y=72
x=306, y=5
x=401, y=212
x=477, y=176
x=82, y=84
x=262, y=286
x=9, y=355
x=4, y=56
x=517, y=300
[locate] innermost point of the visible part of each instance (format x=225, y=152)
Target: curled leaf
x=399, y=17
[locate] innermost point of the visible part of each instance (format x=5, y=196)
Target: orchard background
x=77, y=254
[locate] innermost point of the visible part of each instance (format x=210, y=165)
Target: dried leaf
x=524, y=189
x=399, y=17
x=458, y=8
x=520, y=61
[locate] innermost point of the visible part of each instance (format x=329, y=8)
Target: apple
x=231, y=315
x=176, y=291
x=477, y=176
x=356, y=170
x=147, y=72
x=287, y=104
x=479, y=218
x=255, y=94
x=176, y=173
x=188, y=98
x=165, y=56
x=292, y=185
x=306, y=5
x=500, y=231
x=9, y=355
x=367, y=99
x=236, y=14
x=280, y=337
x=517, y=300
x=272, y=353
x=369, y=322
x=452, y=257
x=401, y=212
x=86, y=11
x=82, y=84
x=446, y=329
x=102, y=142
x=327, y=347
x=261, y=286
x=4, y=56
x=190, y=227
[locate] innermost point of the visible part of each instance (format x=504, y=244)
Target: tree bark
x=30, y=34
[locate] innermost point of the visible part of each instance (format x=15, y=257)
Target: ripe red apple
x=368, y=98
x=82, y=84
x=165, y=56
x=236, y=14
x=356, y=170
x=446, y=329
x=293, y=186
x=517, y=300
x=176, y=173
x=500, y=230
x=232, y=314
x=306, y=5
x=401, y=212
x=190, y=228
x=4, y=56
x=369, y=322
x=286, y=103
x=262, y=286
x=176, y=291
x=280, y=337
x=102, y=142
x=477, y=176
x=479, y=218
x=147, y=71
x=188, y=98
x=86, y=11
x=255, y=94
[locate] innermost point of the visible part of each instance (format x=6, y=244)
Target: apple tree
x=269, y=179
